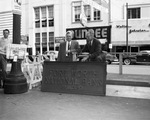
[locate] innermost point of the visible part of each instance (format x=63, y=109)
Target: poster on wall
x=14, y=50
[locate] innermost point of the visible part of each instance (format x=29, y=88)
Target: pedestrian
x=93, y=47
x=4, y=42
x=68, y=48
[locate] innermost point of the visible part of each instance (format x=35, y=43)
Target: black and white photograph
x=74, y=60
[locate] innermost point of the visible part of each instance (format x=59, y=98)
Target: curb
x=128, y=83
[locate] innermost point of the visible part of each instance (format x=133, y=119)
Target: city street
x=126, y=69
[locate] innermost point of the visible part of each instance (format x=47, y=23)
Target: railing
x=32, y=67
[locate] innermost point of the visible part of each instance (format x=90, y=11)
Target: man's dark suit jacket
x=95, y=50
x=75, y=47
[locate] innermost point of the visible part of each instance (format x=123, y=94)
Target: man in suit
x=68, y=48
x=93, y=47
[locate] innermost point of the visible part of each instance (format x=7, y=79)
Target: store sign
x=99, y=32
x=137, y=31
x=59, y=39
x=122, y=26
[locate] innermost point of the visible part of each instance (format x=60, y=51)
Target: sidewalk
x=37, y=105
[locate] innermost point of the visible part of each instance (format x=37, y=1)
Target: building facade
x=130, y=21
x=44, y=21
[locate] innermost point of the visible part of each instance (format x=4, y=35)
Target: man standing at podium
x=68, y=48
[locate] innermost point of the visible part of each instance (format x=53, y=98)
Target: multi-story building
x=130, y=22
x=45, y=21
x=7, y=9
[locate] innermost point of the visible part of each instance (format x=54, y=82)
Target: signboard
x=102, y=32
x=59, y=39
x=14, y=50
x=74, y=77
x=110, y=46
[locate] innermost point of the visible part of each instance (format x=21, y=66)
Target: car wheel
x=127, y=61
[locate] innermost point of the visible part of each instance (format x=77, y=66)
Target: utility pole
x=109, y=12
x=127, y=27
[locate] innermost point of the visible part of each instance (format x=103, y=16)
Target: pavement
x=37, y=105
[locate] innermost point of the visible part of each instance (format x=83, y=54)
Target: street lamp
x=15, y=81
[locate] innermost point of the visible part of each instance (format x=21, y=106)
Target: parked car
x=142, y=57
x=110, y=58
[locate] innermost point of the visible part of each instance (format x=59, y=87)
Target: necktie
x=91, y=43
x=69, y=45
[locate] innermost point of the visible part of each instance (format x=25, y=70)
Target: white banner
x=14, y=50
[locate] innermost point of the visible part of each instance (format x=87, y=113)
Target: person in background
x=93, y=47
x=4, y=42
x=68, y=48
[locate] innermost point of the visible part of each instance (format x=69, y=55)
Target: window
x=37, y=13
x=51, y=22
x=47, y=16
x=43, y=10
x=77, y=13
x=37, y=17
x=51, y=15
x=51, y=38
x=37, y=23
x=96, y=14
x=87, y=10
x=44, y=23
x=44, y=37
x=37, y=37
x=134, y=13
x=50, y=12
